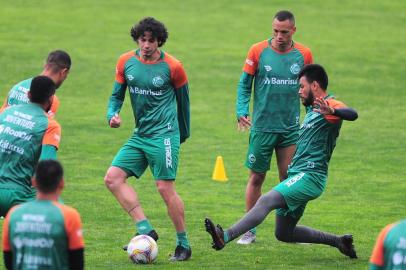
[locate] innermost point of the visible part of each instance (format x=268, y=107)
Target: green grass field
x=361, y=44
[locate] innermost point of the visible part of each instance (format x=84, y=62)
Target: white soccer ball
x=142, y=249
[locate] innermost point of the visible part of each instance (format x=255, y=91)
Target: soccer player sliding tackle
x=307, y=174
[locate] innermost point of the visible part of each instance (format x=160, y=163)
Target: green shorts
x=11, y=197
x=297, y=190
x=261, y=146
x=160, y=153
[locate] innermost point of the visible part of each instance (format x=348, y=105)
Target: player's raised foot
x=247, y=238
x=346, y=246
x=181, y=254
x=217, y=234
x=153, y=234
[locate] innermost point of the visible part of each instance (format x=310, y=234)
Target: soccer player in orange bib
x=44, y=234
x=390, y=249
x=57, y=67
x=26, y=133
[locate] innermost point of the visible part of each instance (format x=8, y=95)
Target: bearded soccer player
x=307, y=174
x=24, y=130
x=390, y=249
x=44, y=234
x=57, y=68
x=159, y=94
x=273, y=65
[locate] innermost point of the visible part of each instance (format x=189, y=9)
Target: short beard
x=309, y=100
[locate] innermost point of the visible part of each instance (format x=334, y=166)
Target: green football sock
x=143, y=226
x=226, y=237
x=182, y=240
x=254, y=230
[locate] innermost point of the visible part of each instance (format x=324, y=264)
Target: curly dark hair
x=149, y=24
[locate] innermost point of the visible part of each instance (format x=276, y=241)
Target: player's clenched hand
x=244, y=122
x=115, y=121
x=323, y=107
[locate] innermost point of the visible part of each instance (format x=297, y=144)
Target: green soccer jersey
x=40, y=233
x=390, y=249
x=158, y=92
x=18, y=95
x=276, y=100
x=23, y=129
x=317, y=139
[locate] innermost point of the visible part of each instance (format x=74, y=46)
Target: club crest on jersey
x=295, y=68
x=268, y=68
x=130, y=77
x=252, y=158
x=157, y=81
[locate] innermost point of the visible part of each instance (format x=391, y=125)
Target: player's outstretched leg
x=286, y=230
x=346, y=246
x=217, y=234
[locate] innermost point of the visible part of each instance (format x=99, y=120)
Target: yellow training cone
x=219, y=173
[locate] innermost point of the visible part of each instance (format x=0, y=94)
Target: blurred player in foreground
x=44, y=234
x=390, y=249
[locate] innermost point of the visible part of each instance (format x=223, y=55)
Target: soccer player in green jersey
x=307, y=174
x=390, y=249
x=273, y=66
x=57, y=67
x=158, y=89
x=44, y=234
x=24, y=130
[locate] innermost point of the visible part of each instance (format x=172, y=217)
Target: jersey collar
x=161, y=57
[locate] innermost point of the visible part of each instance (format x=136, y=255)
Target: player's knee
x=109, y=181
x=257, y=179
x=282, y=176
x=162, y=188
x=283, y=236
x=113, y=179
x=166, y=190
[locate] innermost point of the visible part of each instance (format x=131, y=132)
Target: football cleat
x=346, y=247
x=153, y=234
x=217, y=234
x=181, y=254
x=247, y=238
